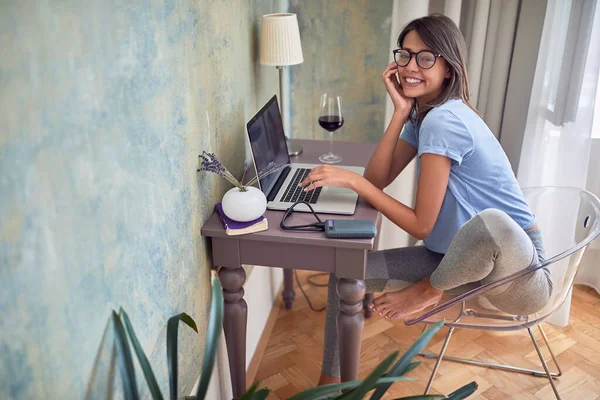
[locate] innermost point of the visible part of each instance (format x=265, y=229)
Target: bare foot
x=400, y=304
x=326, y=379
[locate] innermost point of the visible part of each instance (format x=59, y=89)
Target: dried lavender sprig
x=268, y=170
x=231, y=176
x=211, y=163
x=246, y=164
x=226, y=177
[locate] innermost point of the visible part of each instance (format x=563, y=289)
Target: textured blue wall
x=346, y=48
x=105, y=108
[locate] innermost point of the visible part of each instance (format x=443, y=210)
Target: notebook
x=233, y=228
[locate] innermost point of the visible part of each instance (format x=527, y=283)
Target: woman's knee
x=496, y=217
x=504, y=230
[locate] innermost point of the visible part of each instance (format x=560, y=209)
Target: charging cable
x=318, y=226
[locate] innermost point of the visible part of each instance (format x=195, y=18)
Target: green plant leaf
x=401, y=367
x=368, y=384
x=215, y=325
x=411, y=367
x=464, y=391
x=144, y=363
x=321, y=392
x=261, y=394
x=172, y=330
x=189, y=321
x=249, y=393
x=130, y=391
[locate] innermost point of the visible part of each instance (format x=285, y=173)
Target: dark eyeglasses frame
x=416, y=54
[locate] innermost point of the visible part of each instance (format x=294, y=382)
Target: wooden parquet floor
x=291, y=361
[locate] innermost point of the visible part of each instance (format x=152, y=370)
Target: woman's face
x=422, y=84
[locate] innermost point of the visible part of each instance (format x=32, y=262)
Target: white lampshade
x=280, y=40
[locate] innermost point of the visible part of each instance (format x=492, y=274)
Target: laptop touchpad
x=339, y=191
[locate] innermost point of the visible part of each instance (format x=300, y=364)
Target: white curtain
x=489, y=31
x=561, y=144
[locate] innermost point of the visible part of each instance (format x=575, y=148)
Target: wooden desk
x=296, y=250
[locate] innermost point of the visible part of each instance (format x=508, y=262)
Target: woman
x=469, y=210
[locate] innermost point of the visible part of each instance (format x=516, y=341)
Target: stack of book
x=233, y=228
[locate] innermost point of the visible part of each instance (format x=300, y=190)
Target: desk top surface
x=354, y=154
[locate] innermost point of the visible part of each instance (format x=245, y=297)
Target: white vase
x=244, y=206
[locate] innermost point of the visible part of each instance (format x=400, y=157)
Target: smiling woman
x=466, y=192
x=431, y=63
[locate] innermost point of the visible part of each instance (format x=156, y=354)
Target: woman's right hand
x=402, y=104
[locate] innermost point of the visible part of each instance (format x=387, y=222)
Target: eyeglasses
x=425, y=58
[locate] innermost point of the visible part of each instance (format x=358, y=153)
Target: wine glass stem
x=330, y=142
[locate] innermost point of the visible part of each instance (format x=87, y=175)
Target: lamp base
x=294, y=149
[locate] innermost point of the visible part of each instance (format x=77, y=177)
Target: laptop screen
x=267, y=139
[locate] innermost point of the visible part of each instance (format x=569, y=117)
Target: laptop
x=268, y=145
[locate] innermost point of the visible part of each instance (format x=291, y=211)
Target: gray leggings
x=489, y=246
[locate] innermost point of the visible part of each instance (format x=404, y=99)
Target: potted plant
x=380, y=379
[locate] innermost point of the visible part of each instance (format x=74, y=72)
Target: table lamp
x=279, y=47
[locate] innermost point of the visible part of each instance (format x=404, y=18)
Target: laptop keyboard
x=293, y=193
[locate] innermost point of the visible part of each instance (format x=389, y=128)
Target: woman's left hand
x=328, y=175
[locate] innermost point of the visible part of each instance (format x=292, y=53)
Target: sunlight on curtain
x=560, y=147
x=557, y=152
x=596, y=122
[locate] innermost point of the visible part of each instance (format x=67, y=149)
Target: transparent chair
x=569, y=219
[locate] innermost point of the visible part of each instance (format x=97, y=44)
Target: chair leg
x=550, y=350
x=509, y=368
x=439, y=360
x=548, y=374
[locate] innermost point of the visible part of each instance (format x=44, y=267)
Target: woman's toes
x=395, y=316
x=382, y=310
x=379, y=301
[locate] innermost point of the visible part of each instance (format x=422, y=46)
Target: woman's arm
x=391, y=155
x=433, y=181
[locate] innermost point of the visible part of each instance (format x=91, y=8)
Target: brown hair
x=443, y=37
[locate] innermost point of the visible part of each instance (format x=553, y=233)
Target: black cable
x=316, y=226
x=316, y=275
x=304, y=293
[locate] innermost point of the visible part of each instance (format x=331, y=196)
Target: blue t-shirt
x=480, y=176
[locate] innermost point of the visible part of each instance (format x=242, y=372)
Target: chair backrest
x=569, y=219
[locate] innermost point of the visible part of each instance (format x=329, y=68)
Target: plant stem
x=256, y=178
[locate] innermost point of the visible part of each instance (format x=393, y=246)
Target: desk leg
x=288, y=288
x=368, y=299
x=350, y=324
x=234, y=325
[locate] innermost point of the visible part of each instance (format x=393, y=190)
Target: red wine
x=331, y=122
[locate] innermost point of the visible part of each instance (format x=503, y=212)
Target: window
x=565, y=97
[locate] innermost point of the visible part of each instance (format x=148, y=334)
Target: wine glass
x=331, y=119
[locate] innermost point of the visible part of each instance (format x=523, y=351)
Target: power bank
x=350, y=228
